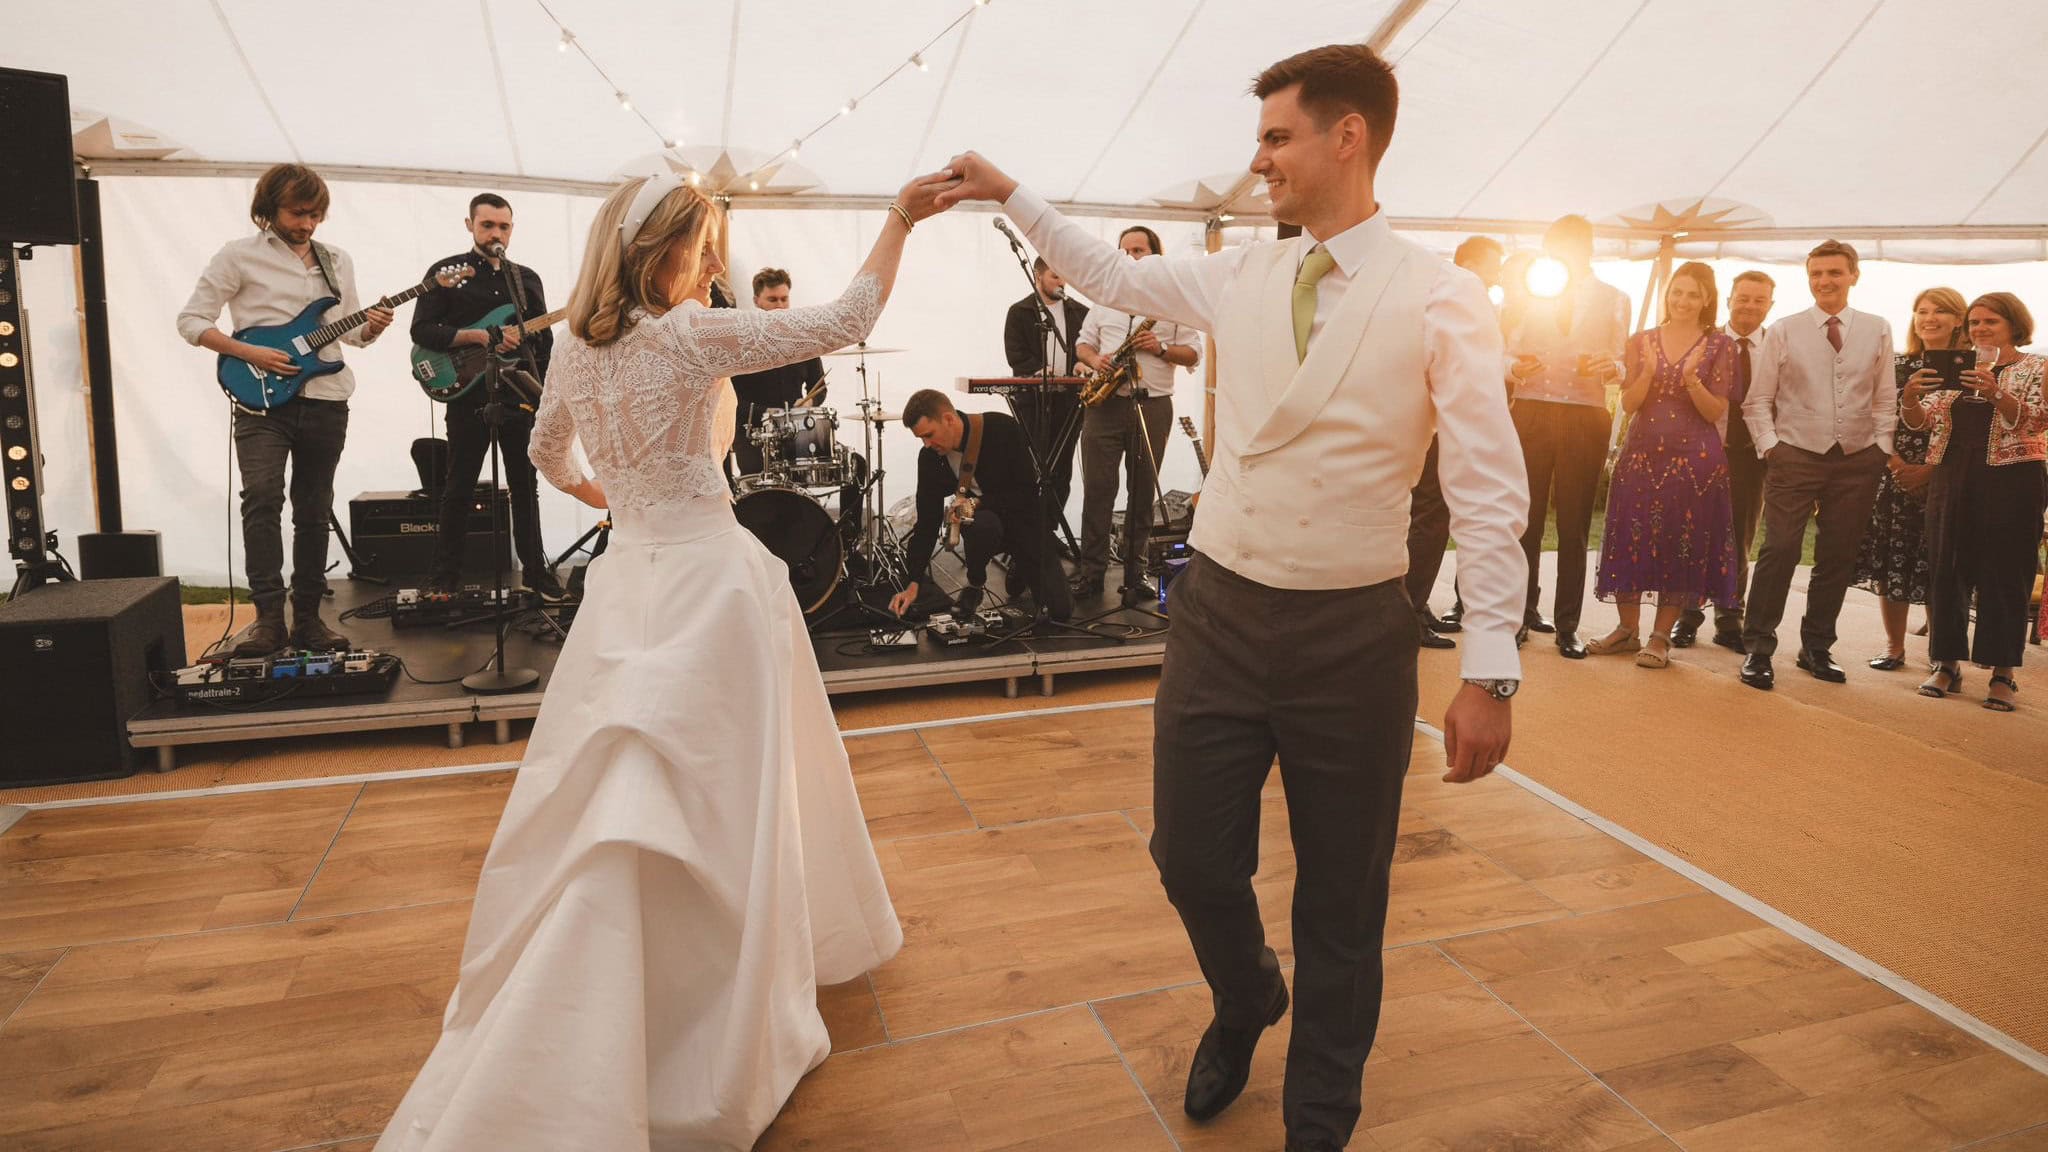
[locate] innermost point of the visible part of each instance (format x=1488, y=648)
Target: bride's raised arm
x=731, y=341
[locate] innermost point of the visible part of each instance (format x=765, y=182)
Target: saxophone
x=1119, y=369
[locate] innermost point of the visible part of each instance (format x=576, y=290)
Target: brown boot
x=266, y=636
x=310, y=633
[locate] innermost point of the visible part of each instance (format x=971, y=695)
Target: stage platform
x=436, y=658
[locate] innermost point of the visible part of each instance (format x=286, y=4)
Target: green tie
x=1314, y=268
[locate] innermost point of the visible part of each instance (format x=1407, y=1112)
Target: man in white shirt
x=268, y=279
x=1564, y=351
x=1129, y=427
x=1749, y=301
x=1292, y=635
x=1821, y=406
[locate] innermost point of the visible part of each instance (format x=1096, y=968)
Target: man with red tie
x=1749, y=301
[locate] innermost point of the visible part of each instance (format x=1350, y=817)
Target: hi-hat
x=881, y=417
x=864, y=350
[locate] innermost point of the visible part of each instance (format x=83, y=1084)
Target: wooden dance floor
x=265, y=970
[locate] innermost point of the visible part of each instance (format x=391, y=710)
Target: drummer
x=782, y=387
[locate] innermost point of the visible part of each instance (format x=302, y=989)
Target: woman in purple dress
x=1670, y=528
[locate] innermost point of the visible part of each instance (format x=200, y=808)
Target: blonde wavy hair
x=616, y=279
x=1945, y=300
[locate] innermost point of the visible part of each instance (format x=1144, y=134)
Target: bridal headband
x=653, y=192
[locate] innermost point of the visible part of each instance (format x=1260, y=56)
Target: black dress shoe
x=1541, y=624
x=1138, y=592
x=1456, y=616
x=970, y=601
x=1822, y=665
x=1730, y=640
x=1082, y=586
x=1432, y=640
x=1223, y=1060
x=1756, y=672
x=1442, y=624
x=1887, y=662
x=1684, y=635
x=1571, y=646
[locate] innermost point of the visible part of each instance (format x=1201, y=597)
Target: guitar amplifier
x=395, y=534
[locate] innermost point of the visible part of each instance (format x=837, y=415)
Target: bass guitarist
x=444, y=321
x=269, y=278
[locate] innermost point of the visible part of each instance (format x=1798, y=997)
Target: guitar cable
x=228, y=628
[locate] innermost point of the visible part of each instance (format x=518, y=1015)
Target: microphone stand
x=498, y=678
x=1046, y=373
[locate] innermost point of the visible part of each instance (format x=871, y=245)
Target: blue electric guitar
x=302, y=338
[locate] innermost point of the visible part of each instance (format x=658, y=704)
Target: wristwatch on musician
x=1498, y=689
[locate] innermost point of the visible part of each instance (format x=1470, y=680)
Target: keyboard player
x=1049, y=412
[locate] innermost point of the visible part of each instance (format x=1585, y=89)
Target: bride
x=682, y=860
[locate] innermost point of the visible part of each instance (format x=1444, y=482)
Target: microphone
x=1003, y=226
x=495, y=250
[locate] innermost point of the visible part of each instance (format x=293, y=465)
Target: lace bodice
x=644, y=405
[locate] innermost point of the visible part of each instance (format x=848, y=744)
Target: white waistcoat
x=1313, y=462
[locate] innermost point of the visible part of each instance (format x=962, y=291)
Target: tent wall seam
x=1826, y=66
x=1557, y=107
x=1417, y=42
x=931, y=123
x=504, y=98
x=255, y=81
x=1144, y=94
x=2009, y=174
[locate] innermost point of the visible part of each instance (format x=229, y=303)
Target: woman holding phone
x=1985, y=500
x=1893, y=560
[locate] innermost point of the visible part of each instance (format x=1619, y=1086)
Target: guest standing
x=1893, y=562
x=1821, y=409
x=1984, y=503
x=1669, y=524
x=1749, y=302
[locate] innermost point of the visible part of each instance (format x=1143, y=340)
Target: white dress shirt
x=1107, y=328
x=1755, y=339
x=1806, y=394
x=1597, y=331
x=261, y=281
x=1056, y=339
x=1480, y=463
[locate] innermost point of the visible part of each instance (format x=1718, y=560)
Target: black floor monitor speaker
x=394, y=534
x=106, y=555
x=75, y=664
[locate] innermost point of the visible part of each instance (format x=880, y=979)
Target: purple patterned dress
x=1670, y=529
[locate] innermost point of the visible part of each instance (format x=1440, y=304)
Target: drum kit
x=803, y=466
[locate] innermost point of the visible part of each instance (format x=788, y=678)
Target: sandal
x=1993, y=702
x=1889, y=662
x=1616, y=642
x=1934, y=690
x=1656, y=655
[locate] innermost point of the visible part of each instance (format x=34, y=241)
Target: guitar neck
x=328, y=333
x=545, y=320
x=1201, y=457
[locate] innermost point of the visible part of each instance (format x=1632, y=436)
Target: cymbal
x=880, y=417
x=858, y=350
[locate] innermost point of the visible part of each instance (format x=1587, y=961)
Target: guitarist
x=269, y=278
x=1112, y=433
x=442, y=322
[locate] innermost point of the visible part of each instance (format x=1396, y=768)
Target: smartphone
x=1951, y=363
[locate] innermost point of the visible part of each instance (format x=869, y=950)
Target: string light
x=624, y=103
x=753, y=185
x=670, y=145
x=567, y=39
x=917, y=58
x=795, y=146
x=847, y=108
x=696, y=177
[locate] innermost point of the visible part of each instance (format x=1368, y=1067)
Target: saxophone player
x=1129, y=427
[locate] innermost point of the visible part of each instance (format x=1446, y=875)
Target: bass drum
x=802, y=535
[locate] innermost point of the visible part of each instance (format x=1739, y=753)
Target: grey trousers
x=307, y=434
x=1845, y=487
x=1325, y=681
x=1110, y=436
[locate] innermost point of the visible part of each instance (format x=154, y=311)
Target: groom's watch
x=1498, y=689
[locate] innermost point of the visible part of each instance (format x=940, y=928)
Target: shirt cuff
x=1488, y=656
x=1765, y=444
x=1025, y=206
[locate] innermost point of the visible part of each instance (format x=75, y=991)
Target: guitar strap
x=325, y=260
x=971, y=454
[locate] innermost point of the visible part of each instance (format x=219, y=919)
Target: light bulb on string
x=795, y=146
x=917, y=58
x=567, y=39
x=847, y=108
x=625, y=105
x=696, y=178
x=753, y=185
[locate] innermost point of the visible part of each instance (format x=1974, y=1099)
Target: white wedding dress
x=682, y=859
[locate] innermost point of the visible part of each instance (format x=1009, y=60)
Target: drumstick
x=812, y=394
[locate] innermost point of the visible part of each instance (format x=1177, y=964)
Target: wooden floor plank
x=410, y=842
x=902, y=792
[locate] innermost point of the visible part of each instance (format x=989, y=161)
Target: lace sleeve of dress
x=551, y=445
x=731, y=341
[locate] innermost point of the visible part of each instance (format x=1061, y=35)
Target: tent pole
x=1212, y=239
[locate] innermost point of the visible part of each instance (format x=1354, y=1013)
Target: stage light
x=753, y=185
x=1547, y=278
x=917, y=58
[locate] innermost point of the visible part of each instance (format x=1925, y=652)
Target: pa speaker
x=76, y=659
x=106, y=555
x=38, y=182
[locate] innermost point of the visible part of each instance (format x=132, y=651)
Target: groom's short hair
x=1338, y=79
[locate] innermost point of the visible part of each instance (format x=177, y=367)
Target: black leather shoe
x=1822, y=666
x=1432, y=640
x=1730, y=640
x=1443, y=624
x=969, y=601
x=1756, y=672
x=1684, y=635
x=1137, y=593
x=1541, y=624
x=1569, y=644
x=1223, y=1060
x=1887, y=662
x=1083, y=586
x=1456, y=616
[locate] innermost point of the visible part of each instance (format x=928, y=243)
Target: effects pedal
x=892, y=638
x=299, y=675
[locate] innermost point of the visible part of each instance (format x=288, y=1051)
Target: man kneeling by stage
x=976, y=470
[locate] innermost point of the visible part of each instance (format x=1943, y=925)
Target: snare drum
x=801, y=445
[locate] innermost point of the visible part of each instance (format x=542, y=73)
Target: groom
x=1292, y=635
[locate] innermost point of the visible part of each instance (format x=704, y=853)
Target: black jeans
x=1564, y=447
x=469, y=443
x=1325, y=681
x=1029, y=544
x=309, y=434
